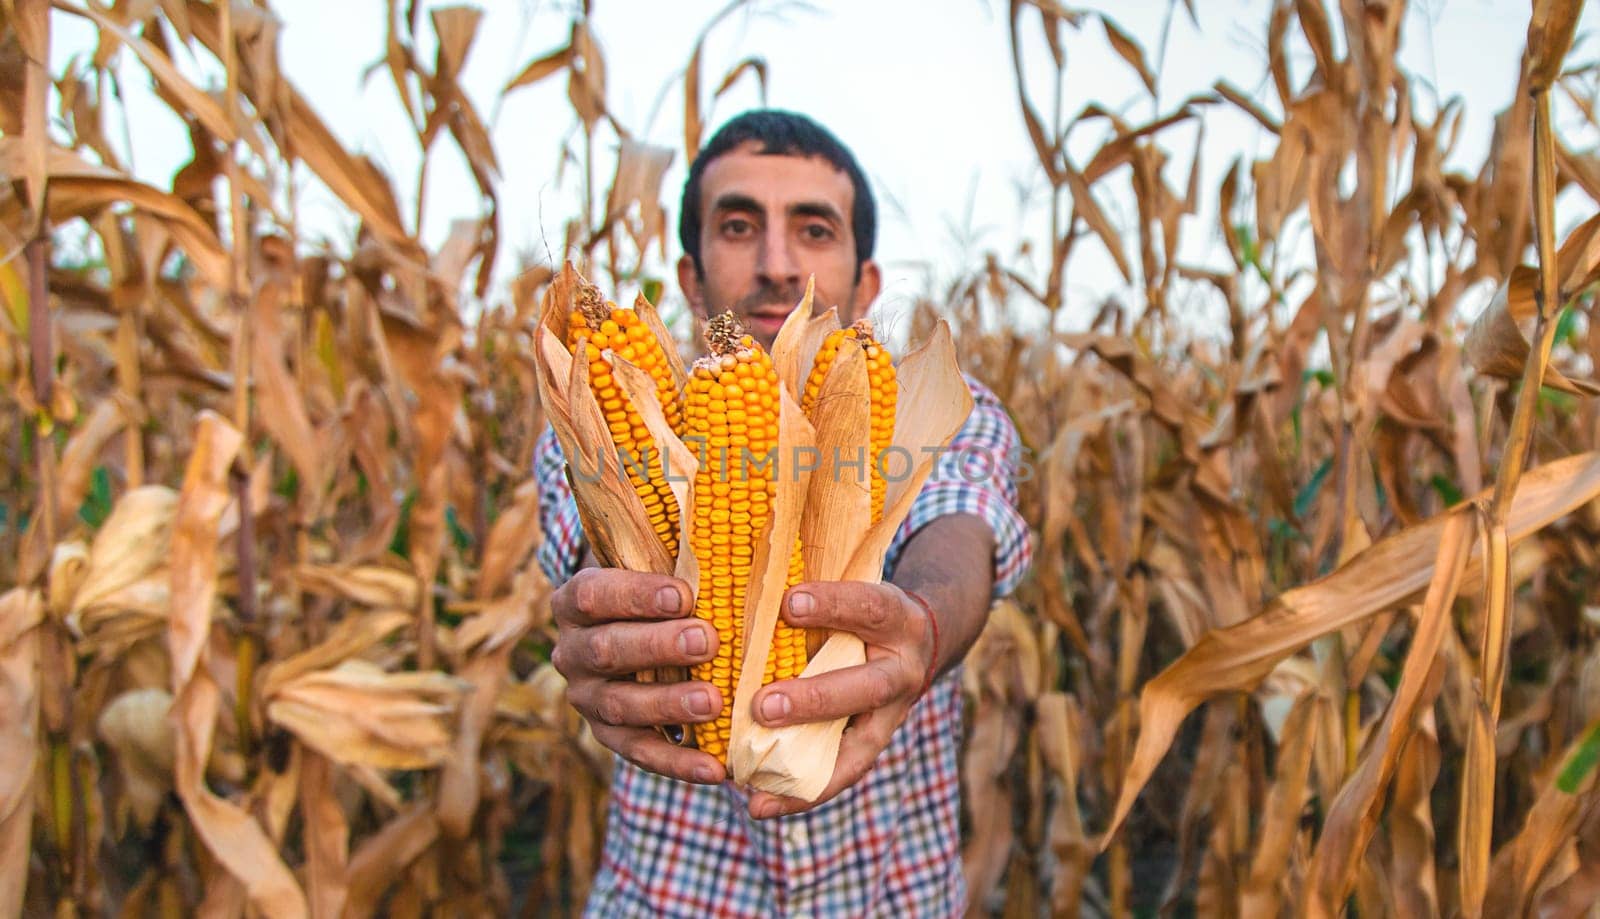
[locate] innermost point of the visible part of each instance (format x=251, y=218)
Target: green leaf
x=1308, y=493
x=652, y=290
x=1248, y=250
x=1446, y=489
x=1566, y=326
x=288, y=485
x=1582, y=762
x=458, y=535
x=1564, y=403
x=401, y=543
x=96, y=506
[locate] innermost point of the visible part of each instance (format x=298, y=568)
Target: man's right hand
x=613, y=623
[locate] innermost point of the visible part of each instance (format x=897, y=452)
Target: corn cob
x=788, y=655
x=881, y=376
x=594, y=326
x=730, y=407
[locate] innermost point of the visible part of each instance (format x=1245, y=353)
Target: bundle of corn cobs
x=744, y=475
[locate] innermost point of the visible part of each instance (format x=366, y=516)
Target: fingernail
x=668, y=600
x=775, y=706
x=706, y=774
x=692, y=641
x=802, y=604
x=699, y=702
x=766, y=809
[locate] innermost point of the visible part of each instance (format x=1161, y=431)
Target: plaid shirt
x=887, y=846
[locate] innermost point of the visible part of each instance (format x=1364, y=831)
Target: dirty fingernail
x=692, y=641
x=699, y=702
x=775, y=706
x=706, y=774
x=802, y=604
x=668, y=600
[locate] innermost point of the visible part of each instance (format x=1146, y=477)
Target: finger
x=837, y=694
x=875, y=612
x=613, y=703
x=623, y=648
x=649, y=751
x=863, y=741
x=596, y=595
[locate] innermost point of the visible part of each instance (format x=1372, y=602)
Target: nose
x=778, y=265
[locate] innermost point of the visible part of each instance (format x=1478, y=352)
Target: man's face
x=767, y=224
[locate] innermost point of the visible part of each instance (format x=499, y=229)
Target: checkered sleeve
x=977, y=474
x=562, y=549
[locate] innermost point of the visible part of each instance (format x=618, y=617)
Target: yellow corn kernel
x=594, y=327
x=727, y=516
x=884, y=389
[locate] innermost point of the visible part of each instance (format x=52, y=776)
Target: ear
x=689, y=282
x=867, y=288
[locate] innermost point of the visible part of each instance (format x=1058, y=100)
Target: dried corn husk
x=834, y=523
x=613, y=516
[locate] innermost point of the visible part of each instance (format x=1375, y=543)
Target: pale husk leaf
x=613, y=517
x=792, y=761
x=798, y=760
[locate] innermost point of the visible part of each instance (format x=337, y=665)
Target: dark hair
x=779, y=133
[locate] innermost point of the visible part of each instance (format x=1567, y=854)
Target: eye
x=817, y=232
x=737, y=228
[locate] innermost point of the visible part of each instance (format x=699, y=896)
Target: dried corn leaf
x=374, y=586
x=358, y=713
x=280, y=406
x=134, y=540
x=1378, y=578
x=136, y=726
x=514, y=535
x=1547, y=829
x=78, y=187
x=491, y=634
x=231, y=834
x=1550, y=33
x=327, y=837
x=352, y=637
x=1497, y=344
x=378, y=862
x=613, y=516
x=20, y=612
x=1353, y=815
x=1262, y=893
x=541, y=67
x=31, y=21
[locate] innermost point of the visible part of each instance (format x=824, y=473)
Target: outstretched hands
x=613, y=623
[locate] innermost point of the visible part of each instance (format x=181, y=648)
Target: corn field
x=1314, y=621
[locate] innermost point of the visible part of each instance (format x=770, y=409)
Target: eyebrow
x=736, y=201
x=816, y=209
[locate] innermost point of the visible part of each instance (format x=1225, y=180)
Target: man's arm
x=958, y=594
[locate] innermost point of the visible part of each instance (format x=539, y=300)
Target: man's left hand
x=878, y=694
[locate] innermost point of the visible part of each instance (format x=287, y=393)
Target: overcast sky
x=923, y=91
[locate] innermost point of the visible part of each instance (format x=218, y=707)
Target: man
x=772, y=200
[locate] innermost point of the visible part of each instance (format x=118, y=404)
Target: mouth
x=767, y=322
